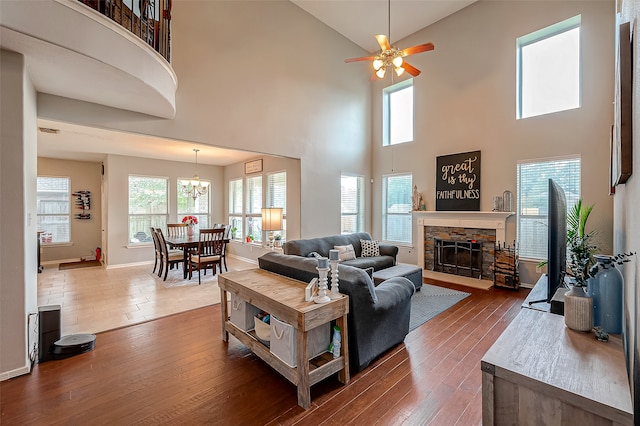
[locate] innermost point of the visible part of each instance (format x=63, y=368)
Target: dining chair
x=226, y=238
x=170, y=257
x=158, y=251
x=209, y=252
x=176, y=230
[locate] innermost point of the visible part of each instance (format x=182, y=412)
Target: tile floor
x=96, y=299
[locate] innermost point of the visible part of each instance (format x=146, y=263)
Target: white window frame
x=532, y=218
x=254, y=216
x=204, y=218
x=41, y=216
x=345, y=199
x=270, y=200
x=531, y=39
x=386, y=214
x=387, y=113
x=158, y=219
x=236, y=217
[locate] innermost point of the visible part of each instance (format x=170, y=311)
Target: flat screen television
x=557, y=241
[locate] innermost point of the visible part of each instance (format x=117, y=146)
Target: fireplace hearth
x=459, y=257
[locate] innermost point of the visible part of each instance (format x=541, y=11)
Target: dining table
x=186, y=243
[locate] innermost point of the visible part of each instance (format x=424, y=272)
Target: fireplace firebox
x=459, y=257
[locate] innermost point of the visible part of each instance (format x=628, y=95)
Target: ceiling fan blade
x=417, y=49
x=383, y=42
x=365, y=58
x=411, y=69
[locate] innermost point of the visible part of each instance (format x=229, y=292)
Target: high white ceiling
x=361, y=20
x=357, y=20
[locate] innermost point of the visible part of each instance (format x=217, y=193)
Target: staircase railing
x=148, y=19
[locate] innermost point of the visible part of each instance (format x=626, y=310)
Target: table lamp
x=272, y=221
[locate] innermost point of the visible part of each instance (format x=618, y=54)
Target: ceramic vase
x=190, y=231
x=606, y=290
x=578, y=310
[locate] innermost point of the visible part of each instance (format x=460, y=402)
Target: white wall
x=269, y=78
x=85, y=233
x=626, y=224
x=18, y=245
x=465, y=100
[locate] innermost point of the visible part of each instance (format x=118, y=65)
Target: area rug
x=175, y=279
x=79, y=264
x=430, y=301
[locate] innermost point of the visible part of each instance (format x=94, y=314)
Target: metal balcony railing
x=148, y=19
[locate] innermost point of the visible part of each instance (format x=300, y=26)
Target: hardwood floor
x=177, y=370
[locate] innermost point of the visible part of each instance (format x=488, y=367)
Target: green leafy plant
x=580, y=244
x=277, y=237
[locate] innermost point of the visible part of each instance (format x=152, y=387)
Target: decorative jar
x=578, y=309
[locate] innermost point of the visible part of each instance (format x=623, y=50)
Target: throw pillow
x=346, y=252
x=370, y=248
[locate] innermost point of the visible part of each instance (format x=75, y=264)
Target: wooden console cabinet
x=284, y=298
x=539, y=372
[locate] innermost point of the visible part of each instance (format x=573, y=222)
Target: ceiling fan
x=390, y=57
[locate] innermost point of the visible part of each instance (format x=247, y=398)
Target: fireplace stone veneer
x=486, y=239
x=485, y=227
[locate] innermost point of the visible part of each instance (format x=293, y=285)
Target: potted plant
x=578, y=305
x=233, y=231
x=277, y=240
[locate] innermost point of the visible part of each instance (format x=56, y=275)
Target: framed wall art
x=623, y=134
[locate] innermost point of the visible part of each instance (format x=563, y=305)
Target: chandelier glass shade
x=195, y=187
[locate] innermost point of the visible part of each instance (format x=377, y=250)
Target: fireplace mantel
x=482, y=220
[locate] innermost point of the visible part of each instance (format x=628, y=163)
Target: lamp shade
x=272, y=219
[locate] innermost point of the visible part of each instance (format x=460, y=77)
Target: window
x=198, y=207
x=397, y=113
x=533, y=192
x=54, y=208
x=235, y=206
x=396, y=210
x=147, y=206
x=277, y=197
x=351, y=204
x=548, y=67
x=253, y=208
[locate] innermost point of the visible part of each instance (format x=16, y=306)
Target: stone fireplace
x=479, y=231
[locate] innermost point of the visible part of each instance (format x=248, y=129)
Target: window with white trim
x=533, y=200
x=548, y=69
x=235, y=207
x=277, y=197
x=396, y=208
x=253, y=208
x=148, y=207
x=397, y=113
x=53, y=198
x=198, y=207
x=351, y=204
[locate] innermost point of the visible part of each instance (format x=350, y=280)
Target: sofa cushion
x=370, y=248
x=377, y=263
x=346, y=252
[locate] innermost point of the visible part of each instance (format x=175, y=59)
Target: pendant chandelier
x=195, y=187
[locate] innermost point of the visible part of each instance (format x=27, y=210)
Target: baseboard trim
x=244, y=259
x=6, y=375
x=128, y=265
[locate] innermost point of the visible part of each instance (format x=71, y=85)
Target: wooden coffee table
x=284, y=298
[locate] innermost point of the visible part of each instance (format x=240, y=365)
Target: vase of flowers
x=190, y=221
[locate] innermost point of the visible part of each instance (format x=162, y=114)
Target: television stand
x=537, y=299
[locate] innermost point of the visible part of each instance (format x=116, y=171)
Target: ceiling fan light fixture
x=397, y=61
x=377, y=63
x=380, y=73
x=399, y=71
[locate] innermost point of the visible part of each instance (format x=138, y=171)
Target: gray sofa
x=304, y=248
x=378, y=316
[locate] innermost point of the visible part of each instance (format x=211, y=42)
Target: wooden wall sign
x=254, y=166
x=458, y=182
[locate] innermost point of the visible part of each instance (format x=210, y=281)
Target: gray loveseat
x=378, y=316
